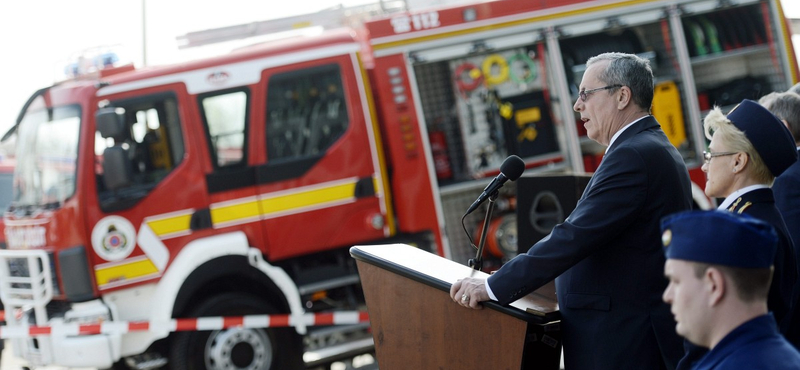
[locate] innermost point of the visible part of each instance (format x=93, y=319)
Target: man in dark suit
x=607, y=257
x=786, y=106
x=786, y=188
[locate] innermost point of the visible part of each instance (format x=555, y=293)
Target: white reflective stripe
x=153, y=247
x=200, y=323
x=240, y=74
x=115, y=327
x=301, y=320
x=14, y=332
x=173, y=326
x=342, y=318
x=253, y=322
x=209, y=323
x=65, y=330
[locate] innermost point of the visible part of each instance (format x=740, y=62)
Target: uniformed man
x=719, y=267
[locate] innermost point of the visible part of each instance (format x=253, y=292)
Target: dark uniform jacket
x=756, y=344
x=787, y=198
x=609, y=260
x=760, y=204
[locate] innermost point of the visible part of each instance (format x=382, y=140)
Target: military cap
x=719, y=238
x=770, y=137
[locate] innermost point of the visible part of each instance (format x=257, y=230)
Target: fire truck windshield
x=47, y=151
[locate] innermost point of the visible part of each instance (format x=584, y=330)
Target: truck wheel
x=236, y=348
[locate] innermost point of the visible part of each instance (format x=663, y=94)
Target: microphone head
x=512, y=167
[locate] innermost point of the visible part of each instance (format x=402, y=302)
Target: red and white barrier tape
x=192, y=324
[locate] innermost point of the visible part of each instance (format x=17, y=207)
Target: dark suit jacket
x=787, y=198
x=609, y=260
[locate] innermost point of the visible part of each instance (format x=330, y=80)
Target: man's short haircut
x=785, y=106
x=794, y=89
x=749, y=284
x=628, y=70
x=717, y=122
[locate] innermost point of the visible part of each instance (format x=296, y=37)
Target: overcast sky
x=38, y=37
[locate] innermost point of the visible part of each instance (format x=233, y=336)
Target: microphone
x=511, y=169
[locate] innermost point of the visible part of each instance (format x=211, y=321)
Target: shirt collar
x=738, y=193
x=614, y=138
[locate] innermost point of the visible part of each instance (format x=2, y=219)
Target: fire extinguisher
x=441, y=161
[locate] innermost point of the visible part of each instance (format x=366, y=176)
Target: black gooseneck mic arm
x=511, y=169
x=477, y=262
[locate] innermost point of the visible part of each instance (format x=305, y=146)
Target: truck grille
x=25, y=278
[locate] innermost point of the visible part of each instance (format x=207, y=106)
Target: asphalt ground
x=9, y=362
x=363, y=362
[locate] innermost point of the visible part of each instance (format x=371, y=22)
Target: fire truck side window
x=150, y=138
x=306, y=112
x=225, y=116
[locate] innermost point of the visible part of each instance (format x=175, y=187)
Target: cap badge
x=666, y=237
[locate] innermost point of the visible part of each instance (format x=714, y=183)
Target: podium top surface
x=441, y=273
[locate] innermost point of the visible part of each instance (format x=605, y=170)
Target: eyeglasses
x=585, y=93
x=708, y=155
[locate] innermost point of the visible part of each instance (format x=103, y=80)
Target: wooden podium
x=416, y=325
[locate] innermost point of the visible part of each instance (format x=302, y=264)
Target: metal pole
x=477, y=262
x=564, y=100
x=144, y=34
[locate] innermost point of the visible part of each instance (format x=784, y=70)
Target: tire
x=236, y=348
x=119, y=365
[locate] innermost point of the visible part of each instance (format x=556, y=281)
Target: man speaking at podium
x=607, y=256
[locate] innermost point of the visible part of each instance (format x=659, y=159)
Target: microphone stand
x=477, y=262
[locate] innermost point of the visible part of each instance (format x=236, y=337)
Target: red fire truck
x=234, y=185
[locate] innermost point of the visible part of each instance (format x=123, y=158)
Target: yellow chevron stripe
x=234, y=212
x=290, y=202
x=170, y=225
x=126, y=271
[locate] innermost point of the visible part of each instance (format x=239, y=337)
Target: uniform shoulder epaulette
x=744, y=207
x=732, y=208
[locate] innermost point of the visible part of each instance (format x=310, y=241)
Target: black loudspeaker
x=544, y=202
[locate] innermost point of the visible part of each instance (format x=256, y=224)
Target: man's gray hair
x=785, y=106
x=795, y=89
x=628, y=70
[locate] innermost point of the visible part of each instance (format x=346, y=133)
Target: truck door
x=146, y=185
x=320, y=186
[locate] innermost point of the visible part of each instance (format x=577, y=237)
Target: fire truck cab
x=150, y=195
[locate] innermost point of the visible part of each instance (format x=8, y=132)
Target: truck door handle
x=201, y=219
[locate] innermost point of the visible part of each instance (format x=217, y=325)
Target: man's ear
x=624, y=97
x=715, y=285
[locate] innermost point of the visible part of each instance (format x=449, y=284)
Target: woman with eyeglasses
x=749, y=148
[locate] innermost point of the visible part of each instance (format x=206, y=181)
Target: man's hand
x=469, y=292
